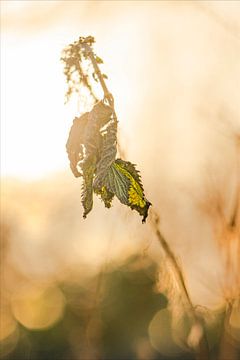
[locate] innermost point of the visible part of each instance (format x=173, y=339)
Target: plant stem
x=202, y=351
x=228, y=346
x=107, y=94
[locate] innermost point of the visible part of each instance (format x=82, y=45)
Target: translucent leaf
x=117, y=183
x=97, y=118
x=75, y=141
x=85, y=139
x=106, y=196
x=124, y=181
x=131, y=168
x=84, y=147
x=87, y=188
x=108, y=154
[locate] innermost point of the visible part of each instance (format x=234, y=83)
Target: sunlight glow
x=35, y=121
x=34, y=124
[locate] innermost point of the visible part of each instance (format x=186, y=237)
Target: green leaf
x=118, y=184
x=131, y=168
x=106, y=196
x=124, y=181
x=107, y=156
x=87, y=188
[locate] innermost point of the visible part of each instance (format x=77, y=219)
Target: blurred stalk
x=202, y=349
x=227, y=349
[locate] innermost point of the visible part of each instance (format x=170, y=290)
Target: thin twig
x=107, y=94
x=228, y=346
x=202, y=352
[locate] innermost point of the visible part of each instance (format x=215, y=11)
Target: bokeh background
x=76, y=289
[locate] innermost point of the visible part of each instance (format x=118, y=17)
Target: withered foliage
x=92, y=141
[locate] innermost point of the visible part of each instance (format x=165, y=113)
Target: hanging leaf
x=85, y=139
x=75, y=142
x=84, y=146
x=97, y=118
x=124, y=181
x=92, y=148
x=92, y=141
x=108, y=155
x=87, y=188
x=106, y=196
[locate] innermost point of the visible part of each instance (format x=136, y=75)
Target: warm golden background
x=174, y=70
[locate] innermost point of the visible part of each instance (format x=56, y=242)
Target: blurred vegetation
x=57, y=307
x=111, y=315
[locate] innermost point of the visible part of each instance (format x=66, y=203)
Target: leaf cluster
x=92, y=141
x=92, y=149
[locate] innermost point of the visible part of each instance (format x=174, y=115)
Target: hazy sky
x=159, y=56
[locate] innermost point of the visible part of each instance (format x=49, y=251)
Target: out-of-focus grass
x=122, y=317
x=81, y=311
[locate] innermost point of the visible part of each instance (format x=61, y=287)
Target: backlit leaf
x=124, y=181
x=87, y=188
x=106, y=196
x=92, y=141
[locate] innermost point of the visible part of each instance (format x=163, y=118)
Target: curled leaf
x=85, y=139
x=84, y=146
x=75, y=142
x=87, y=188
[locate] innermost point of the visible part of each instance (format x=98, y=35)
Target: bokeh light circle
x=38, y=307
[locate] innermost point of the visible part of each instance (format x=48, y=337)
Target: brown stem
x=228, y=345
x=107, y=94
x=202, y=352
